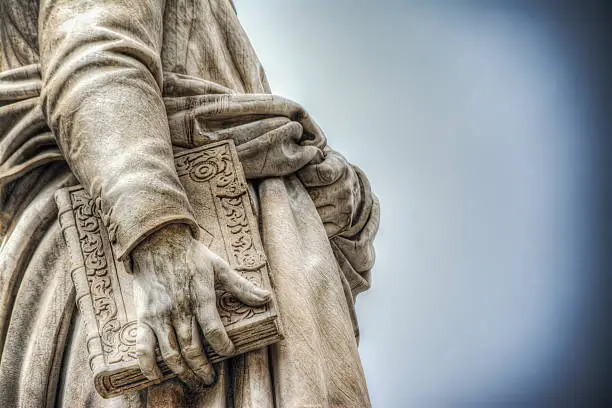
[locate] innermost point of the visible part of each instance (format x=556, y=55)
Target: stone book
x=218, y=193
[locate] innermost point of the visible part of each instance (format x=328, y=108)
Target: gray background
x=482, y=127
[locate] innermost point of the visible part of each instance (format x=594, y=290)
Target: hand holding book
x=174, y=297
x=144, y=327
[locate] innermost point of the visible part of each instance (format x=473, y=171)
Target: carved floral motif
x=215, y=165
x=117, y=342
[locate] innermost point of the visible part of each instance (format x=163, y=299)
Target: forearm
x=101, y=94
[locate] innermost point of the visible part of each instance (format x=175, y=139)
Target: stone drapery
x=191, y=64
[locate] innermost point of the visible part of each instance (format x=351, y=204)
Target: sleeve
x=354, y=247
x=102, y=81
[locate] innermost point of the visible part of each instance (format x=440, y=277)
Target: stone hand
x=174, y=295
x=335, y=189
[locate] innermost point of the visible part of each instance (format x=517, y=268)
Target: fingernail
x=262, y=293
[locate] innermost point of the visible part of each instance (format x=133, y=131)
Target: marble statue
x=103, y=93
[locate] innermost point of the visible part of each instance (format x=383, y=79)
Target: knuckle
x=214, y=331
x=203, y=366
x=180, y=310
x=172, y=356
x=191, y=352
x=154, y=312
x=184, y=333
x=144, y=351
x=162, y=308
x=148, y=317
x=174, y=361
x=184, y=338
x=206, y=299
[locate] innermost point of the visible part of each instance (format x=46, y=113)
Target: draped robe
x=101, y=93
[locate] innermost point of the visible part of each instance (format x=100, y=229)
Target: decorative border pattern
x=118, y=340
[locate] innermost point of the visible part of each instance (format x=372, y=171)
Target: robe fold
x=101, y=93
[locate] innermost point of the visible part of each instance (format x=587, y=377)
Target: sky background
x=484, y=130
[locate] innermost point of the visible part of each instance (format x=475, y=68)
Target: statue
x=102, y=93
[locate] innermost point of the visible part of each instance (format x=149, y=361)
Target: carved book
x=214, y=181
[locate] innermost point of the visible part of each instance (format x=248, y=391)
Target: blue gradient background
x=484, y=129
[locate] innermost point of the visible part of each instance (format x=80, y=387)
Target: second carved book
x=214, y=181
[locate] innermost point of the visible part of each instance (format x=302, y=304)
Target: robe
x=101, y=92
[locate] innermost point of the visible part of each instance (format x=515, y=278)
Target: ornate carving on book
x=214, y=181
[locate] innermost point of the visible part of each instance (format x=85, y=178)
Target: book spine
x=79, y=277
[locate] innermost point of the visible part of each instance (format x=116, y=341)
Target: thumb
x=245, y=290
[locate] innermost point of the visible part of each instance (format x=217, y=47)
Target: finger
x=145, y=350
x=188, y=336
x=169, y=348
x=245, y=290
x=325, y=173
x=211, y=324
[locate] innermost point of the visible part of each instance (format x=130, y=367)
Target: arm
x=101, y=96
x=102, y=100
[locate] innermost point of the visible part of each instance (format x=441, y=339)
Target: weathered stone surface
x=102, y=93
x=217, y=190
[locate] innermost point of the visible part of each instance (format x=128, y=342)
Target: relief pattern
x=118, y=341
x=215, y=165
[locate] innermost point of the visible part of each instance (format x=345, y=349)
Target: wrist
x=164, y=241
